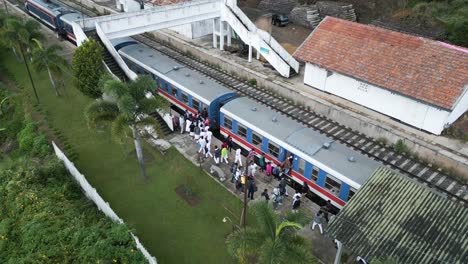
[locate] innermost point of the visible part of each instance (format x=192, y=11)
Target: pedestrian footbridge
x=227, y=17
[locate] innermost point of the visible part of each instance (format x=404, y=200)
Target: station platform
x=449, y=153
x=322, y=245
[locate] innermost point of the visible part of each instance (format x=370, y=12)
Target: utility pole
x=6, y=6
x=244, y=210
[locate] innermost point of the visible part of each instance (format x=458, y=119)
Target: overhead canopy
x=392, y=216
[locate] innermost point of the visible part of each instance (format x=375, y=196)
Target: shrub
x=32, y=143
x=253, y=82
x=88, y=68
x=400, y=147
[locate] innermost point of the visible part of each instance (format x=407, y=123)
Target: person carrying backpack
x=276, y=198
x=233, y=170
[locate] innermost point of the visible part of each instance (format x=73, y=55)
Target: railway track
x=413, y=168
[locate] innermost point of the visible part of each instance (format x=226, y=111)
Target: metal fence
x=93, y=195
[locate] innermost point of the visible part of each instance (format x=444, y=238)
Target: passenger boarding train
x=333, y=171
x=55, y=15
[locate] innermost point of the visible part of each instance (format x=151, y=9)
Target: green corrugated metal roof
x=394, y=216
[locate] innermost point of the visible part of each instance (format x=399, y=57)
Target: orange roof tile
x=428, y=70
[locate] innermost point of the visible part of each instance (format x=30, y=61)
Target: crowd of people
x=244, y=176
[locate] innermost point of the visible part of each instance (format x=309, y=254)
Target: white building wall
x=460, y=107
x=409, y=111
x=185, y=30
x=202, y=28
x=315, y=76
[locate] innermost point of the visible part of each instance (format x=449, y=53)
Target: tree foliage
x=127, y=110
x=452, y=14
x=274, y=240
x=88, y=68
x=44, y=216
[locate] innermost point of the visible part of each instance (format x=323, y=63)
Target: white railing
x=130, y=74
x=94, y=196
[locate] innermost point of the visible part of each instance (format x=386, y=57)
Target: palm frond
x=272, y=252
x=127, y=106
x=150, y=105
x=140, y=86
x=152, y=123
x=120, y=129
x=300, y=254
x=286, y=225
x=115, y=88
x=243, y=242
x=300, y=217
x=100, y=111
x=266, y=218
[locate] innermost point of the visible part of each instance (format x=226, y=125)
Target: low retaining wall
x=354, y=119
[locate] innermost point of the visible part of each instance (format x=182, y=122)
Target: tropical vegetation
x=88, y=68
x=273, y=240
x=128, y=110
x=45, y=218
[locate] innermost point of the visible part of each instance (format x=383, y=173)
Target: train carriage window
x=185, y=98
x=332, y=184
x=227, y=122
x=273, y=149
x=301, y=167
x=242, y=130
x=256, y=139
x=195, y=104
x=174, y=92
x=167, y=87
x=351, y=193
x=315, y=173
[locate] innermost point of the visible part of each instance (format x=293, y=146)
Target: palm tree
x=49, y=59
x=128, y=111
x=18, y=35
x=275, y=240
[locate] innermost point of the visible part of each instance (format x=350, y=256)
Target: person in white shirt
x=238, y=157
x=201, y=144
x=209, y=134
x=181, y=124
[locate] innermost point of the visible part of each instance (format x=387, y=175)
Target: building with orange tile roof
x=419, y=81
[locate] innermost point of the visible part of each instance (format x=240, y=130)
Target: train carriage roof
x=195, y=83
x=72, y=17
x=51, y=6
x=342, y=159
x=306, y=140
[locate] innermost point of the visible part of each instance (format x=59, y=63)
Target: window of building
x=351, y=193
x=301, y=166
x=315, y=174
x=228, y=123
x=242, y=131
x=185, y=98
x=174, y=92
x=332, y=184
x=273, y=149
x=256, y=139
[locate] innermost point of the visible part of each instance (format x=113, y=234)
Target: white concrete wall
x=315, y=76
x=460, y=108
x=128, y=5
x=202, y=28
x=196, y=29
x=185, y=30
x=417, y=114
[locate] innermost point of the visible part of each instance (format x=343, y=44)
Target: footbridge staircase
x=221, y=11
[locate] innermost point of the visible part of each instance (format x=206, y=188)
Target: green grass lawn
x=170, y=229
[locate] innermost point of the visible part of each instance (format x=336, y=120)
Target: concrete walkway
x=322, y=246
